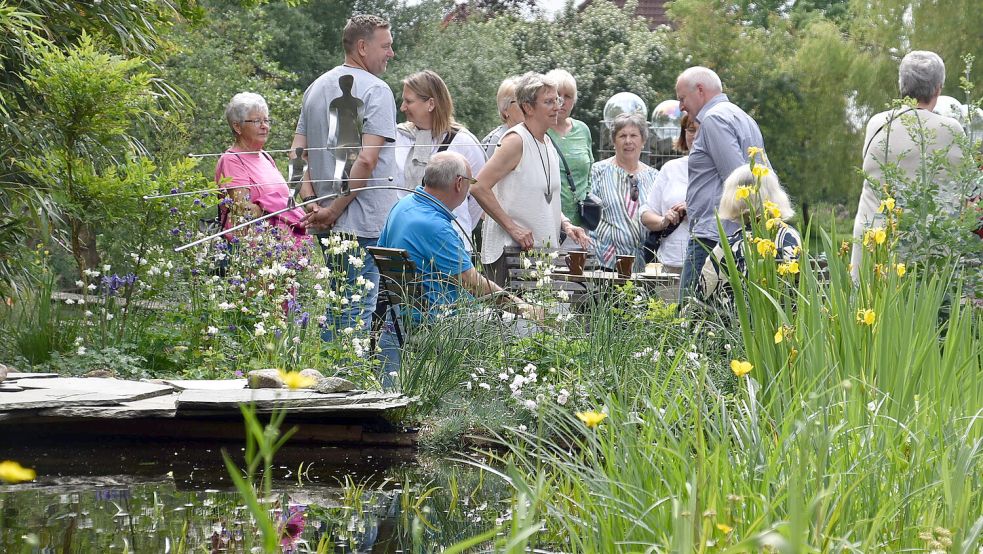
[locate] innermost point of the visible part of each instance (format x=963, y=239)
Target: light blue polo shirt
x=423, y=226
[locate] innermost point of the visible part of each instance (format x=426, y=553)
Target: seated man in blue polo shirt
x=423, y=224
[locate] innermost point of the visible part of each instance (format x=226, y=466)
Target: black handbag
x=589, y=208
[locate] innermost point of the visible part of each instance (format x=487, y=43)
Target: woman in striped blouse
x=622, y=182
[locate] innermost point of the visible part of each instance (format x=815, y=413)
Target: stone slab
x=154, y=407
x=220, y=401
x=19, y=375
x=133, y=390
x=56, y=392
x=35, y=399
x=206, y=384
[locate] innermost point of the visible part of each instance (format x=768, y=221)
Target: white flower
x=106, y=268
x=348, y=330
x=260, y=329
x=78, y=341
x=562, y=294
x=92, y=286
x=485, y=386
x=356, y=298
x=554, y=254
x=369, y=285
x=81, y=350
x=727, y=347
x=109, y=317
x=503, y=376
x=296, y=340
x=226, y=306
x=321, y=320
x=526, y=263
x=79, y=284
x=692, y=356
x=212, y=330
x=563, y=397
x=69, y=301
x=356, y=261
x=529, y=404
x=522, y=428
x=81, y=301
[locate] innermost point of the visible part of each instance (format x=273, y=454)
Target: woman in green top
x=573, y=140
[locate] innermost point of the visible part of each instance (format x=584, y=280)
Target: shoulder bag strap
x=889, y=121
x=566, y=170
x=448, y=139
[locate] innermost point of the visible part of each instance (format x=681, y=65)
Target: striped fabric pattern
x=621, y=231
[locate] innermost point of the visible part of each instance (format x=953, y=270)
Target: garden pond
x=178, y=498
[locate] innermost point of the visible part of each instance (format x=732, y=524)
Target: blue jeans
x=389, y=357
x=696, y=255
x=365, y=307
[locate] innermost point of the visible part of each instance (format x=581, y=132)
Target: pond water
x=125, y=497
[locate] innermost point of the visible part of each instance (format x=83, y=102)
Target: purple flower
x=238, y=374
x=175, y=231
x=174, y=211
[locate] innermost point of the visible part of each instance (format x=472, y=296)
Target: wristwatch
x=308, y=198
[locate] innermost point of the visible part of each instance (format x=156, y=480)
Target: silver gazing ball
x=623, y=102
x=665, y=120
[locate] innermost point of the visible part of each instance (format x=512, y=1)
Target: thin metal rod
x=202, y=191
x=317, y=148
x=318, y=199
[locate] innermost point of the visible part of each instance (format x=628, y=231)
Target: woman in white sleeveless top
x=519, y=187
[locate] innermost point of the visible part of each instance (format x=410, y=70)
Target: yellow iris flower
x=901, y=269
x=788, y=268
x=726, y=529
x=866, y=317
x=753, y=151
x=591, y=419
x=742, y=193
x=740, y=368
x=766, y=248
x=760, y=171
x=886, y=204
x=294, y=380
x=12, y=472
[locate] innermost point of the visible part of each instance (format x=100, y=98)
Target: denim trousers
x=697, y=252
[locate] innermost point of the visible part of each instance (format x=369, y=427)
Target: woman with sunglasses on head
x=430, y=128
x=622, y=182
x=519, y=187
x=248, y=174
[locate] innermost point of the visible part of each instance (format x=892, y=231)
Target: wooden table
x=665, y=285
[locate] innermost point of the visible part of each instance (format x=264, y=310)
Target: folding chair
x=399, y=284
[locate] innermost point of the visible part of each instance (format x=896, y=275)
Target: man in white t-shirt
x=350, y=110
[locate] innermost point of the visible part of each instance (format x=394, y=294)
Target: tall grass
x=845, y=437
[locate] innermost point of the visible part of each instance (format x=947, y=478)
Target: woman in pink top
x=261, y=187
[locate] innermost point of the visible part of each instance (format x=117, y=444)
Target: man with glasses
x=348, y=116
x=726, y=133
x=422, y=223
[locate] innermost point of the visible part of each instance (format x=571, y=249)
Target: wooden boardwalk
x=37, y=407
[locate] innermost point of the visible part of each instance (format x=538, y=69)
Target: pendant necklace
x=545, y=163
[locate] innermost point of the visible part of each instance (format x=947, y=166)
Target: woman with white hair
x=508, y=110
x=574, y=143
x=742, y=191
x=519, y=187
x=898, y=137
x=248, y=174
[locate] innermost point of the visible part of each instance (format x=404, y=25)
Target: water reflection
x=335, y=501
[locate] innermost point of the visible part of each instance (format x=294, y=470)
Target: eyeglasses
x=558, y=102
x=268, y=122
x=633, y=187
x=471, y=180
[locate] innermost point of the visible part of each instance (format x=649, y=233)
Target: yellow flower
x=726, y=529
x=901, y=269
x=792, y=355
x=844, y=247
x=779, y=335
x=886, y=204
x=740, y=368
x=591, y=419
x=866, y=317
x=766, y=248
x=760, y=171
x=12, y=472
x=772, y=210
x=774, y=222
x=788, y=268
x=880, y=235
x=294, y=380
x=742, y=193
x=753, y=151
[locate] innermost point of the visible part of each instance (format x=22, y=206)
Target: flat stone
x=207, y=384
x=55, y=392
x=327, y=385
x=34, y=399
x=264, y=379
x=267, y=399
x=10, y=387
x=155, y=407
x=3, y=372
x=13, y=375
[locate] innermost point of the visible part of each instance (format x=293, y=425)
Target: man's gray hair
x=443, y=169
x=921, y=75
x=240, y=106
x=632, y=119
x=699, y=75
x=528, y=85
x=769, y=190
